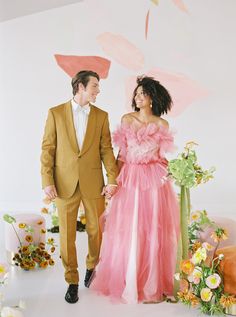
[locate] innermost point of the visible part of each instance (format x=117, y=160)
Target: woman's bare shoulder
x=128, y=117
x=163, y=123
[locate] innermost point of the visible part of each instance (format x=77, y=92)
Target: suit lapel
x=70, y=127
x=90, y=131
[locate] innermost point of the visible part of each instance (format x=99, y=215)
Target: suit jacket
x=63, y=164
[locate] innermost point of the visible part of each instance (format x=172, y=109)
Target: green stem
x=16, y=234
x=184, y=219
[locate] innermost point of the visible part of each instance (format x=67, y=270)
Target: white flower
x=22, y=304
x=213, y=281
x=195, y=216
x=206, y=294
x=196, y=275
x=177, y=276
x=221, y=256
x=11, y=312
x=207, y=246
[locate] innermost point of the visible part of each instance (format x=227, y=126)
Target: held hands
x=109, y=190
x=50, y=191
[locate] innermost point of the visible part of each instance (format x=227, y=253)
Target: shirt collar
x=77, y=107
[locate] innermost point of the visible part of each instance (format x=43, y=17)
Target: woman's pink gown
x=138, y=252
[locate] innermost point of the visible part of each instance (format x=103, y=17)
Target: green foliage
x=186, y=171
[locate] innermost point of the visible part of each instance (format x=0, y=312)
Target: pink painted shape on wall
x=73, y=64
x=146, y=24
x=184, y=91
x=121, y=50
x=180, y=5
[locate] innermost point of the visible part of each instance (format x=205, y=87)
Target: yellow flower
x=21, y=225
x=83, y=220
x=52, y=249
x=186, y=266
x=206, y=294
x=44, y=210
x=227, y=300
x=51, y=262
x=40, y=222
x=50, y=240
x=29, y=238
x=25, y=249
x=3, y=270
x=43, y=231
x=213, y=281
x=199, y=256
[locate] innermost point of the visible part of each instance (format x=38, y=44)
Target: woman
x=138, y=252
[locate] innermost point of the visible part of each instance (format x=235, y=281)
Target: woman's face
x=142, y=100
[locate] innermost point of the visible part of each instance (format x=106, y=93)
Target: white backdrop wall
x=199, y=44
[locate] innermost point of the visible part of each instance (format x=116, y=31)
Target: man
x=75, y=144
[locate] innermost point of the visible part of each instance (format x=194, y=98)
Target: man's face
x=90, y=92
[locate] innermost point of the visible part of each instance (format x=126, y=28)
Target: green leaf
x=9, y=219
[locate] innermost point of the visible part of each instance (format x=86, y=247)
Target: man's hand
x=50, y=191
x=109, y=190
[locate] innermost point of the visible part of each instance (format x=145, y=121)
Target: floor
x=43, y=292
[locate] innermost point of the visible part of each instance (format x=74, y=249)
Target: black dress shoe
x=88, y=277
x=72, y=294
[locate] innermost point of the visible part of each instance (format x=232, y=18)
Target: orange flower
x=187, y=266
x=188, y=297
x=183, y=285
x=219, y=234
x=40, y=222
x=44, y=210
x=44, y=264
x=43, y=231
x=196, y=246
x=42, y=245
x=29, y=238
x=52, y=249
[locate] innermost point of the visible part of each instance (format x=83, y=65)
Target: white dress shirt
x=80, y=116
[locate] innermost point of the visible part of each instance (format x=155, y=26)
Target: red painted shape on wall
x=73, y=64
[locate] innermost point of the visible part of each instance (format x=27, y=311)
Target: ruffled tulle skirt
x=138, y=252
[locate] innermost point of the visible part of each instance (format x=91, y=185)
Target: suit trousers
x=68, y=213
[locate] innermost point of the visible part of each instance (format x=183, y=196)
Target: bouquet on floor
x=30, y=254
x=51, y=210
x=6, y=311
x=201, y=283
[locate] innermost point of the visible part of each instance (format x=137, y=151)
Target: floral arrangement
x=31, y=255
x=185, y=169
x=7, y=311
x=52, y=212
x=201, y=283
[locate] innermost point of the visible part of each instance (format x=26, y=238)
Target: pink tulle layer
x=138, y=253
